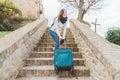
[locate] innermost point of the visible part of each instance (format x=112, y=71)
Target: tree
x=8, y=12
x=83, y=6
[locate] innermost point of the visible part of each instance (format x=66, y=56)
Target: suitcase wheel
x=72, y=69
x=56, y=70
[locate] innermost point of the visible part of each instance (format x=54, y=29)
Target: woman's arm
x=65, y=28
x=57, y=29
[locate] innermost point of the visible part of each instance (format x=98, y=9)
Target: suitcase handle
x=64, y=43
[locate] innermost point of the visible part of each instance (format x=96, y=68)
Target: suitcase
x=63, y=60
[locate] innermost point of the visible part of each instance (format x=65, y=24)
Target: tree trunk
x=80, y=10
x=80, y=15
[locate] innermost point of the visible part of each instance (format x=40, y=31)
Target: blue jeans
x=56, y=39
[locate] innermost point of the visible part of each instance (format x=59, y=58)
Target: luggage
x=63, y=60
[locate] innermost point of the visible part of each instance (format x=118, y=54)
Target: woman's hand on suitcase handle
x=61, y=38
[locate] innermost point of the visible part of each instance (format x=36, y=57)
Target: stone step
x=52, y=45
x=49, y=61
x=50, y=54
x=48, y=28
x=67, y=37
x=67, y=31
x=46, y=49
x=55, y=78
x=52, y=39
x=54, y=42
x=43, y=71
x=48, y=35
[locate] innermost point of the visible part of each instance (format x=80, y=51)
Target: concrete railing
x=102, y=57
x=16, y=46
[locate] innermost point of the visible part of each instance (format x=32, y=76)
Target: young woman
x=58, y=29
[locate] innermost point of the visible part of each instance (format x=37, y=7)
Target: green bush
x=7, y=14
x=113, y=35
x=17, y=19
x=6, y=27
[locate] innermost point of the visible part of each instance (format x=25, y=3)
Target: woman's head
x=62, y=14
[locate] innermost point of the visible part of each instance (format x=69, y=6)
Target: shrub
x=113, y=35
x=6, y=27
x=7, y=14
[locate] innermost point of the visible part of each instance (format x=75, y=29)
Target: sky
x=108, y=16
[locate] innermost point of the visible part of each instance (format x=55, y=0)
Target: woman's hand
x=61, y=38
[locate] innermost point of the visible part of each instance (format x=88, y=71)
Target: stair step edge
x=49, y=52
x=55, y=78
x=51, y=59
x=50, y=67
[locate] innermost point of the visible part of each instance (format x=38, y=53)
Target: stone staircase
x=39, y=65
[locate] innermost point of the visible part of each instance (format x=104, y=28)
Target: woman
x=58, y=29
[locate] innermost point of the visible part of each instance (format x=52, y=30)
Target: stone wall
x=102, y=57
x=16, y=46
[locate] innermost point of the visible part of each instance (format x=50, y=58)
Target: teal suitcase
x=63, y=60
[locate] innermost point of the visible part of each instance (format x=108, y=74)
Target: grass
x=16, y=26
x=3, y=33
